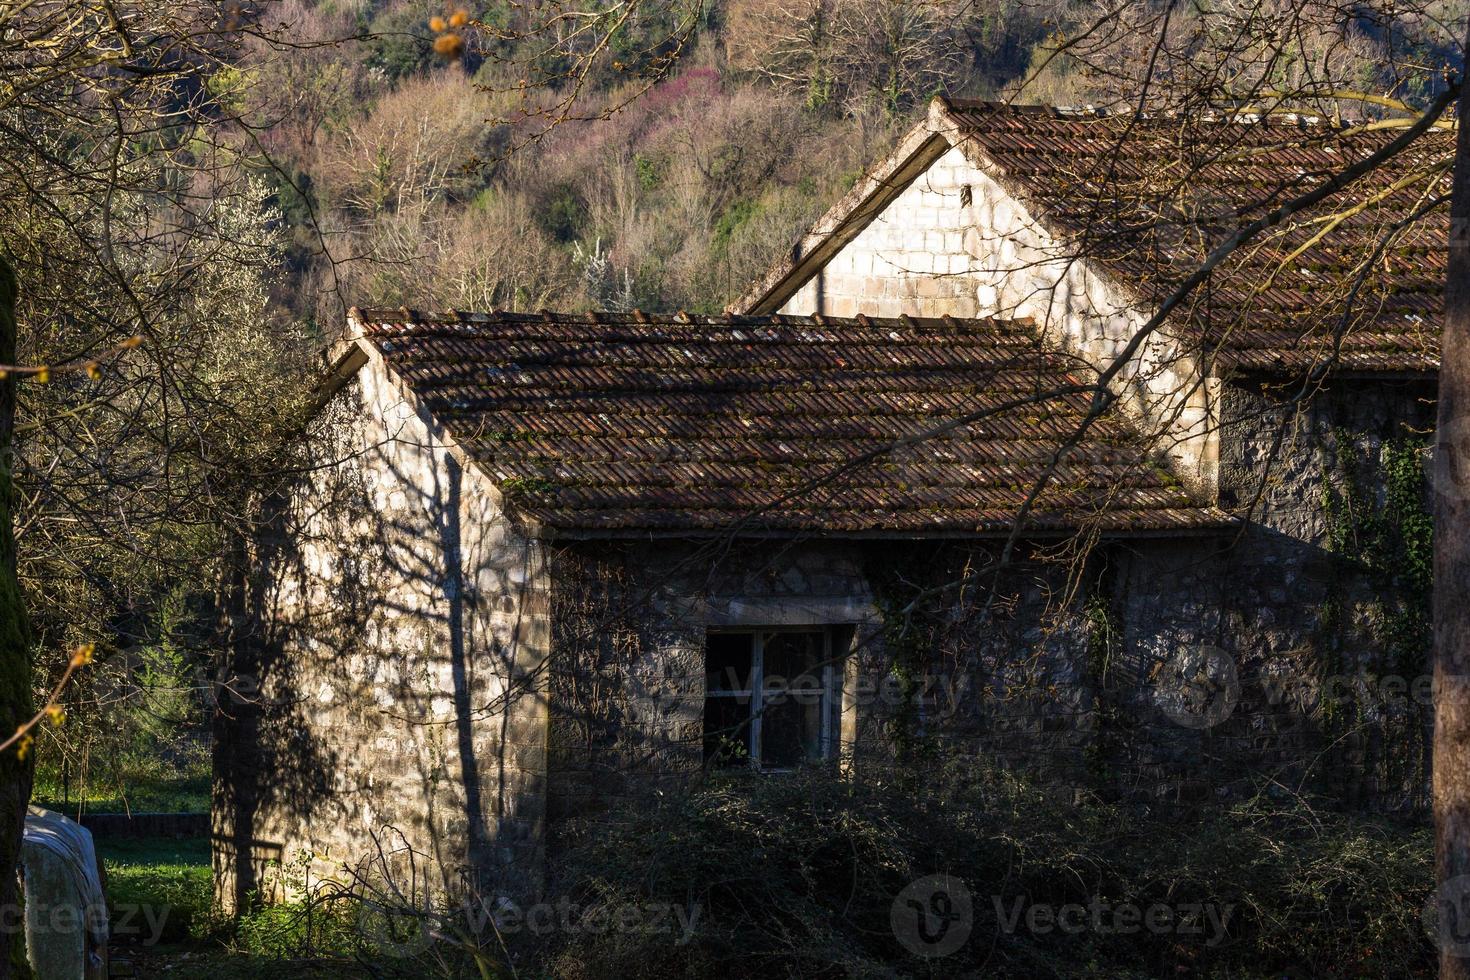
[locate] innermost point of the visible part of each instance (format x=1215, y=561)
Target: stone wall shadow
x=341, y=618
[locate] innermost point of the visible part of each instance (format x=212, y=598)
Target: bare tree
x=845, y=52
x=133, y=227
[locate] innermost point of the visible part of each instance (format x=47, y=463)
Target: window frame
x=827, y=735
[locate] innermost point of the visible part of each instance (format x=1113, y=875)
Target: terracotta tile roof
x=1151, y=197
x=632, y=423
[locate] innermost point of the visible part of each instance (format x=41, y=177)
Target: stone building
x=542, y=563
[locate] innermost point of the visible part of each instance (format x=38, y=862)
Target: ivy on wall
x=909, y=638
x=965, y=673
x=1380, y=533
x=1104, y=632
x=1381, y=525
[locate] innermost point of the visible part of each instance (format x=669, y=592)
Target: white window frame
x=754, y=693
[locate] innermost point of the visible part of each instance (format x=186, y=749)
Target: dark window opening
x=769, y=698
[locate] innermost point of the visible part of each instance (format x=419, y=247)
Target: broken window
x=768, y=697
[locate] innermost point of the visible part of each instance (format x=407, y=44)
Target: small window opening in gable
x=967, y=195
x=769, y=700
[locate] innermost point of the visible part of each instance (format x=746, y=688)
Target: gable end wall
x=385, y=670
x=930, y=253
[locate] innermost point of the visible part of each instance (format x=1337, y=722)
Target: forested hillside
x=711, y=134
x=675, y=200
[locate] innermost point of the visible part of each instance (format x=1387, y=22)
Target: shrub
x=562, y=214
x=799, y=876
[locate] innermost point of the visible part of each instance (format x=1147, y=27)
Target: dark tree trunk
x=15, y=662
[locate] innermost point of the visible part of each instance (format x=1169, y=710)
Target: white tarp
x=66, y=908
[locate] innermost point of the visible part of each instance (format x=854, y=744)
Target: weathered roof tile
x=1150, y=197
x=776, y=424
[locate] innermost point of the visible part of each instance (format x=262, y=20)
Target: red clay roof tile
x=776, y=424
x=1151, y=197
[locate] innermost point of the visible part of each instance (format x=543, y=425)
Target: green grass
x=160, y=887
x=162, y=793
x=160, y=896
x=159, y=893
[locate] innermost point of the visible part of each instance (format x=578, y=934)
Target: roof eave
x=468, y=464
x=1294, y=372
x=1208, y=527
x=344, y=359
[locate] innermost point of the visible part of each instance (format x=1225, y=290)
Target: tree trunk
x=15, y=662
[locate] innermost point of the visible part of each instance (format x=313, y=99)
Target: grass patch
x=161, y=793
x=160, y=888
x=160, y=898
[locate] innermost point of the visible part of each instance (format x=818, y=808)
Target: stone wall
x=382, y=688
x=956, y=243
x=1279, y=439
x=1006, y=677
x=1324, y=585
x=1062, y=670
x=911, y=259
x=1309, y=603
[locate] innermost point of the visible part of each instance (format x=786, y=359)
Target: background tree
x=135, y=228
